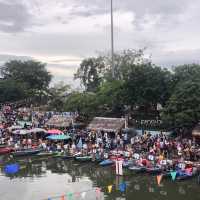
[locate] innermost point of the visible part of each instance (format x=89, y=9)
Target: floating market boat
x=106, y=162
x=153, y=170
x=127, y=163
x=5, y=150
x=66, y=157
x=26, y=152
x=45, y=154
x=137, y=169
x=83, y=158
x=185, y=174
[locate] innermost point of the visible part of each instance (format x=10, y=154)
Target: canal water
x=50, y=178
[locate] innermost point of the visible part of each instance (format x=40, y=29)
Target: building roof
x=60, y=121
x=106, y=124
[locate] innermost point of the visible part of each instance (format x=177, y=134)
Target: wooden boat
x=138, y=169
x=127, y=164
x=3, y=145
x=26, y=152
x=97, y=160
x=5, y=150
x=106, y=162
x=83, y=158
x=66, y=157
x=45, y=154
x=153, y=170
x=183, y=175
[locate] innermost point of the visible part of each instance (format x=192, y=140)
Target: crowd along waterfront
x=40, y=161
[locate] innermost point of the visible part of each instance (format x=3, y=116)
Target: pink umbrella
x=54, y=132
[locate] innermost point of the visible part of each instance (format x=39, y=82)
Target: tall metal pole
x=112, y=42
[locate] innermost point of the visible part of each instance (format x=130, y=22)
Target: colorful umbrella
x=21, y=132
x=17, y=127
x=37, y=130
x=11, y=169
x=54, y=132
x=58, y=137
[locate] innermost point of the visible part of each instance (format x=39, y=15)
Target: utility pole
x=112, y=42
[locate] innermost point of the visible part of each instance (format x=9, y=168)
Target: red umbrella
x=54, y=132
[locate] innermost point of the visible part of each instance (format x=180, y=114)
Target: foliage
x=82, y=102
x=90, y=73
x=11, y=90
x=123, y=62
x=147, y=86
x=183, y=107
x=58, y=94
x=31, y=73
x=110, y=98
x=94, y=71
x=26, y=78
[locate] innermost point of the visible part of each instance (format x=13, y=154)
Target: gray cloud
x=63, y=31
x=14, y=17
x=173, y=58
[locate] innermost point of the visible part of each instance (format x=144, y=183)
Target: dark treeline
x=139, y=89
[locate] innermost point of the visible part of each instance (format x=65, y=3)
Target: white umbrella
x=21, y=132
x=15, y=127
x=37, y=130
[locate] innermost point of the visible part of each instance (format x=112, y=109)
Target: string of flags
x=122, y=187
x=70, y=195
x=172, y=174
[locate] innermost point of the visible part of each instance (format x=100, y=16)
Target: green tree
x=31, y=73
x=11, y=91
x=91, y=72
x=82, y=102
x=58, y=94
x=186, y=72
x=123, y=63
x=183, y=107
x=110, y=99
x=94, y=71
x=147, y=85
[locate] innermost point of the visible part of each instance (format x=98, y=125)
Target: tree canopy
x=183, y=107
x=25, y=78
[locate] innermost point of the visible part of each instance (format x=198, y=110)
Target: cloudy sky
x=63, y=32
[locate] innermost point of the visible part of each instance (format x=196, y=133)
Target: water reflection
x=45, y=177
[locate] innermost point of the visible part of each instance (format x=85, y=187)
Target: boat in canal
x=5, y=150
x=26, y=152
x=153, y=170
x=107, y=162
x=83, y=158
x=138, y=169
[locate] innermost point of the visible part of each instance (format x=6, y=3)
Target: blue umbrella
x=58, y=137
x=11, y=169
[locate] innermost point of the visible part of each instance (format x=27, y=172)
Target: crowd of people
x=99, y=143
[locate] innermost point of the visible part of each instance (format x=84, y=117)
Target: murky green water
x=40, y=179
